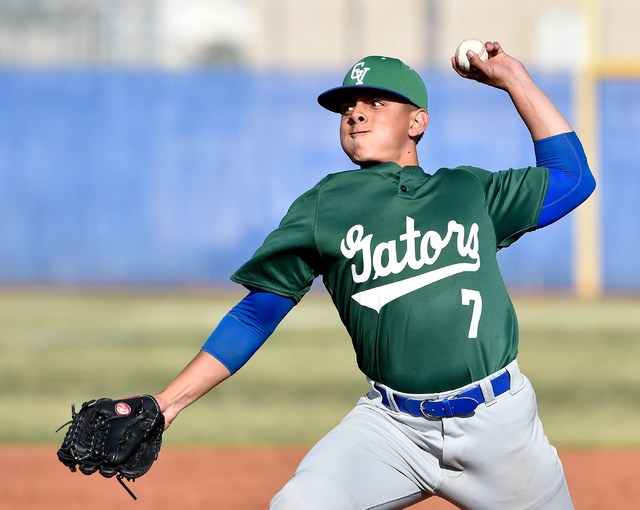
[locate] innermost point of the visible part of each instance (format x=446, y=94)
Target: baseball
x=475, y=45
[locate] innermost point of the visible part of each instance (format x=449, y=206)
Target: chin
x=358, y=161
x=362, y=159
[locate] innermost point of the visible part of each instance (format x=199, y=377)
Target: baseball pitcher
x=408, y=256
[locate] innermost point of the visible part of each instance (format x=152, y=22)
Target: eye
x=377, y=102
x=346, y=109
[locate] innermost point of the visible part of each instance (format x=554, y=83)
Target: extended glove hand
x=115, y=437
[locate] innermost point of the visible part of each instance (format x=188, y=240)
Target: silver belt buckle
x=425, y=413
x=431, y=416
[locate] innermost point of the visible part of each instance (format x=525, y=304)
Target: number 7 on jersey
x=467, y=297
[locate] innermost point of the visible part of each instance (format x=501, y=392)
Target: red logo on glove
x=122, y=409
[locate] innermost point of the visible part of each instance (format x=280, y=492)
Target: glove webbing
x=119, y=476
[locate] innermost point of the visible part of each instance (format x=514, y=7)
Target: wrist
x=168, y=407
x=164, y=408
x=521, y=85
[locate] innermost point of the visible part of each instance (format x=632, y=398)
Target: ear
x=419, y=122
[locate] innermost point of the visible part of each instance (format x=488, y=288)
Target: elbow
x=588, y=183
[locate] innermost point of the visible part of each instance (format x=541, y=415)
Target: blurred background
x=147, y=147
x=160, y=141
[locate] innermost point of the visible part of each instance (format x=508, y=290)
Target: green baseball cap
x=379, y=73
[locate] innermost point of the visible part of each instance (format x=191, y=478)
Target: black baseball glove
x=115, y=437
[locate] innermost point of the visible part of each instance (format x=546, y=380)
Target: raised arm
x=556, y=145
x=502, y=71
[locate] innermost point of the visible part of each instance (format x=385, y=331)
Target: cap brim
x=333, y=99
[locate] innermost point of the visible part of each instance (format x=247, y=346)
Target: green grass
x=57, y=348
x=583, y=359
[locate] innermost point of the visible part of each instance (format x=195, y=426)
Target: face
x=378, y=129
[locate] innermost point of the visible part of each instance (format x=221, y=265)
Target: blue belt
x=464, y=403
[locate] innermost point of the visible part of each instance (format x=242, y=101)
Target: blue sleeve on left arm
x=570, y=179
x=246, y=327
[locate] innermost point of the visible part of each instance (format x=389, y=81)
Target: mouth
x=358, y=133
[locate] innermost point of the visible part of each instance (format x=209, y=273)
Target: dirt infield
x=32, y=478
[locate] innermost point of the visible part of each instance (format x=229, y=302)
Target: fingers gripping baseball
x=500, y=70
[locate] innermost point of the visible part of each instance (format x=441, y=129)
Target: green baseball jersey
x=409, y=260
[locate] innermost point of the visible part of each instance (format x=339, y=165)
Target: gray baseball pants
x=377, y=458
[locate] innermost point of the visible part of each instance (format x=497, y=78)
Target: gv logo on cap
x=358, y=72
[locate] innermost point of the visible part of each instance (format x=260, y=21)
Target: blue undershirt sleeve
x=246, y=327
x=570, y=179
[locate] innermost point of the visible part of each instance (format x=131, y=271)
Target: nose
x=358, y=113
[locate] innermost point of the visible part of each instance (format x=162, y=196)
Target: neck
x=409, y=159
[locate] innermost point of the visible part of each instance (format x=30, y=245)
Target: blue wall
x=620, y=183
x=177, y=177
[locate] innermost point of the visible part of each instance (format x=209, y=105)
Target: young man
x=409, y=259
